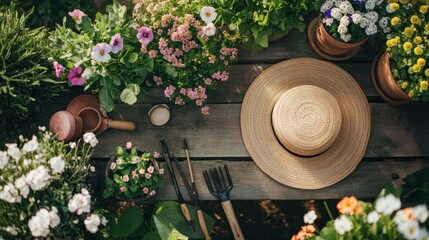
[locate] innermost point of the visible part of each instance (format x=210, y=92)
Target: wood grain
x=252, y=184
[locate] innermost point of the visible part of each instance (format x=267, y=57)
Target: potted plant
x=104, y=56
x=132, y=175
x=343, y=27
x=401, y=74
x=44, y=191
x=191, y=53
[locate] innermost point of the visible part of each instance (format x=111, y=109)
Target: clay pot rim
x=397, y=90
x=100, y=118
x=339, y=43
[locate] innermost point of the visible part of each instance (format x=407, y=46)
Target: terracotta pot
x=386, y=84
x=328, y=47
x=66, y=126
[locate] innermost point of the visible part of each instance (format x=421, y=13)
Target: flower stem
x=327, y=210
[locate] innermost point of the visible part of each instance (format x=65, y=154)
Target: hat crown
x=306, y=120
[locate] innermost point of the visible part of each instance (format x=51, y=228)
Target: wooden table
x=398, y=143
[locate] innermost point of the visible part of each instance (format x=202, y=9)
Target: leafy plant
x=133, y=174
x=105, y=56
x=416, y=188
x=25, y=80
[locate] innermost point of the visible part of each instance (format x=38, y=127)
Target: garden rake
x=219, y=188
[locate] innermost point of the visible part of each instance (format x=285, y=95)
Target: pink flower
x=148, y=175
x=75, y=76
x=161, y=171
x=205, y=110
x=199, y=102
x=100, y=52
x=119, y=161
x=112, y=165
x=156, y=154
x=137, y=159
x=179, y=101
x=123, y=189
x=209, y=30
x=135, y=175
x=145, y=190
x=152, y=193
x=128, y=145
x=169, y=91
x=125, y=178
x=150, y=169
x=208, y=81
x=145, y=35
x=142, y=171
x=77, y=15
x=58, y=69
x=116, y=43
x=152, y=53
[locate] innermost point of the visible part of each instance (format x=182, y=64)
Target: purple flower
x=58, y=69
x=75, y=76
x=328, y=13
x=145, y=35
x=116, y=43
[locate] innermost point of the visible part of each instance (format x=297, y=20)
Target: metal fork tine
x=228, y=175
x=218, y=179
x=225, y=187
x=208, y=182
x=216, y=184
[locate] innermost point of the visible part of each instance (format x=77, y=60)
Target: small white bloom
x=72, y=145
x=92, y=168
x=39, y=223
x=31, y=145
x=370, y=5
x=80, y=203
x=54, y=218
x=346, y=37
x=209, y=30
x=371, y=16
x=100, y=52
x=21, y=184
x=336, y=13
x=344, y=20
x=90, y=138
x=410, y=229
x=325, y=6
x=343, y=224
x=4, y=159
x=342, y=29
x=423, y=234
x=38, y=178
x=310, y=217
x=104, y=221
x=356, y=18
x=328, y=21
x=57, y=164
x=421, y=213
x=10, y=194
x=388, y=9
x=364, y=22
x=92, y=222
x=373, y=217
x=11, y=230
x=208, y=14
x=13, y=151
x=388, y=204
x=386, y=30
x=384, y=22
x=346, y=7
x=371, y=29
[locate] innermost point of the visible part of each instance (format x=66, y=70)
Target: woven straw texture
x=340, y=145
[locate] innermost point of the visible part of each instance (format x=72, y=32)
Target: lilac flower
x=58, y=69
x=100, y=52
x=116, y=43
x=145, y=35
x=77, y=15
x=327, y=13
x=75, y=76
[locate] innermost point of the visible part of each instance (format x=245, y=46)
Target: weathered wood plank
x=250, y=183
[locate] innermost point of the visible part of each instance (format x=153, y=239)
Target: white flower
x=31, y=145
x=4, y=159
x=90, y=138
x=346, y=37
x=388, y=9
x=209, y=30
x=80, y=203
x=342, y=29
x=38, y=178
x=371, y=16
x=10, y=194
x=356, y=18
x=13, y=151
x=410, y=229
x=21, y=184
x=92, y=222
x=373, y=217
x=379, y=2
x=388, y=204
x=328, y=21
x=92, y=168
x=343, y=224
x=57, y=164
x=336, y=13
x=54, y=218
x=100, y=52
x=310, y=217
x=386, y=30
x=423, y=234
x=344, y=20
x=371, y=29
x=421, y=213
x=11, y=230
x=370, y=4
x=208, y=14
x=325, y=6
x=346, y=7
x=104, y=221
x=384, y=22
x=364, y=22
x=39, y=224
x=72, y=145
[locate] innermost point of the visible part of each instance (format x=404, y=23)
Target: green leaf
x=129, y=221
x=108, y=192
x=133, y=57
x=106, y=100
x=128, y=96
x=86, y=24
x=151, y=236
x=134, y=88
x=262, y=40
x=170, y=70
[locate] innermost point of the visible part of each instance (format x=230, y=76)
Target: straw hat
x=306, y=123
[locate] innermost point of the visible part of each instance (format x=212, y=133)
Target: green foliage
x=129, y=225
x=416, y=188
x=25, y=79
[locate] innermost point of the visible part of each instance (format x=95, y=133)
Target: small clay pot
x=91, y=118
x=65, y=126
x=385, y=83
x=328, y=47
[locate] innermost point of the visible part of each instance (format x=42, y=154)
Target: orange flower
x=308, y=228
x=349, y=205
x=305, y=232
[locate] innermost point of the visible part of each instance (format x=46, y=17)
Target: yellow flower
x=408, y=32
x=416, y=68
x=421, y=62
x=418, y=51
x=423, y=85
x=394, y=42
x=404, y=85
x=427, y=72
x=427, y=27
x=388, y=49
x=407, y=46
x=394, y=21
x=403, y=1
x=423, y=8
x=415, y=19
x=417, y=40
x=411, y=93
x=394, y=6
x=398, y=38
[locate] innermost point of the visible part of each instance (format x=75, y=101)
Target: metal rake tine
x=208, y=182
x=216, y=183
x=228, y=175
x=219, y=181
x=225, y=187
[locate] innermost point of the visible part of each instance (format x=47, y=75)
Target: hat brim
x=271, y=157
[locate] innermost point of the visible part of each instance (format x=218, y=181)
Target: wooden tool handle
x=122, y=125
x=185, y=211
x=203, y=224
x=230, y=214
